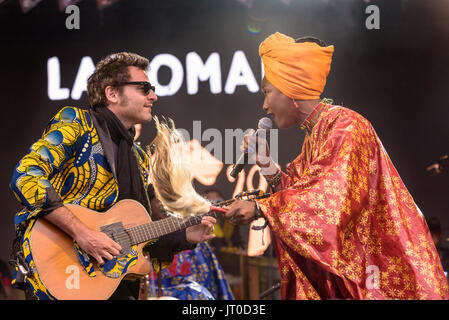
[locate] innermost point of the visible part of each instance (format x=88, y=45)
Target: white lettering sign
x=196, y=70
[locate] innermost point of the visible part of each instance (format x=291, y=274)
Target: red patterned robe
x=344, y=224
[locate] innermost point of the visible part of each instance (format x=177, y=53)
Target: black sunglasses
x=146, y=86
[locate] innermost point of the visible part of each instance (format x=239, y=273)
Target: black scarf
x=130, y=184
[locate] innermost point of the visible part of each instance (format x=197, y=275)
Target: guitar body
x=58, y=263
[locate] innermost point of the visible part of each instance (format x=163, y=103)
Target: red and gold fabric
x=344, y=224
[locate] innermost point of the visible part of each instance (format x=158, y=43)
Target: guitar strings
x=137, y=233
x=141, y=232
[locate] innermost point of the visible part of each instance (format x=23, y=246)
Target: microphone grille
x=265, y=123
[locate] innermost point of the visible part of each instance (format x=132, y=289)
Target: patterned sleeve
x=31, y=178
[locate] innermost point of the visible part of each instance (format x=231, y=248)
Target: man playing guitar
x=88, y=158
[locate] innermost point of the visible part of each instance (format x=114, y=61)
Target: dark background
x=397, y=76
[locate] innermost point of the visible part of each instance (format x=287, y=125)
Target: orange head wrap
x=298, y=70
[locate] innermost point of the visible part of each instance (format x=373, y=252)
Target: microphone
x=264, y=124
x=270, y=290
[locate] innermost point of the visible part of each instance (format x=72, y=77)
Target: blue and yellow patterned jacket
x=69, y=164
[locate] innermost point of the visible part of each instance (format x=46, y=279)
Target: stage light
x=27, y=5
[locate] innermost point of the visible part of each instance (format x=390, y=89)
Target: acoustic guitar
x=70, y=274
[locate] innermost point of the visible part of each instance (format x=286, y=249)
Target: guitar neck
x=146, y=232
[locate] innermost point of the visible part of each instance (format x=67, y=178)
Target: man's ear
x=112, y=95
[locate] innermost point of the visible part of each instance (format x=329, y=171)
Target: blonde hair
x=170, y=172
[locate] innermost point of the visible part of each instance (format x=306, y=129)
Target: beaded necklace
x=305, y=124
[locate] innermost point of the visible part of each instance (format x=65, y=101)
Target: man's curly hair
x=111, y=71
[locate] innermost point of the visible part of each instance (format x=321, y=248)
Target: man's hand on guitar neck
x=95, y=243
x=201, y=232
x=195, y=234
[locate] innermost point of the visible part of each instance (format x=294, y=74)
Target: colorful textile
x=298, y=70
x=85, y=260
x=194, y=275
x=345, y=225
x=114, y=268
x=118, y=266
x=227, y=236
x=68, y=163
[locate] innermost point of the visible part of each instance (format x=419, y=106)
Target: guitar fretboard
x=156, y=229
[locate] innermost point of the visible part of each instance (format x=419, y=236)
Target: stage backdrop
x=207, y=72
